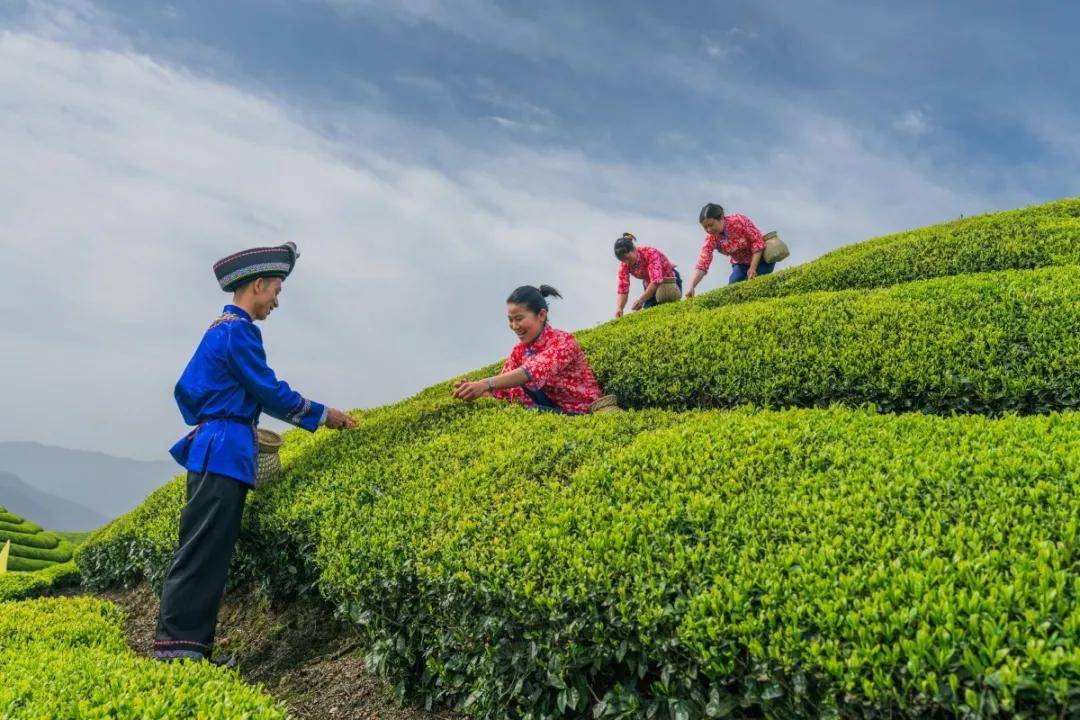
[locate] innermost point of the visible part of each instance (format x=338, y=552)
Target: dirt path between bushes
x=303, y=657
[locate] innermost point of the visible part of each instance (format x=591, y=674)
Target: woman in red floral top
x=546, y=370
x=646, y=264
x=733, y=235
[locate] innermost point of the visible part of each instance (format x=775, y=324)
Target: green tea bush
x=44, y=540
x=20, y=585
x=31, y=547
x=21, y=564
x=1040, y=236
x=59, y=554
x=136, y=545
x=67, y=658
x=1037, y=237
x=805, y=562
x=986, y=343
x=823, y=562
x=278, y=525
x=61, y=622
x=23, y=526
x=75, y=537
x=981, y=343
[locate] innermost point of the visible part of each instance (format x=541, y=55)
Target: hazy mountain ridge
x=95, y=486
x=45, y=509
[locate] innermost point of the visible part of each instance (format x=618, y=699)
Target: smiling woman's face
x=713, y=226
x=524, y=322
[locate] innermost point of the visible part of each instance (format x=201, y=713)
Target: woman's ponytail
x=533, y=298
x=624, y=245
x=548, y=291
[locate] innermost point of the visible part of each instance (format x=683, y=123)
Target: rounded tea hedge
x=803, y=561
x=68, y=658
x=32, y=548
x=849, y=489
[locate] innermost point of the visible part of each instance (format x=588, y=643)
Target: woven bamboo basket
x=267, y=462
x=605, y=404
x=775, y=248
x=668, y=292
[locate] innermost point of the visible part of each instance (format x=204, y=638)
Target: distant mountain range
x=46, y=510
x=63, y=489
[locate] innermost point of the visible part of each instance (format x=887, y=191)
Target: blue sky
x=955, y=84
x=430, y=156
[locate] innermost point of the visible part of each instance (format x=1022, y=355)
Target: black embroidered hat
x=238, y=268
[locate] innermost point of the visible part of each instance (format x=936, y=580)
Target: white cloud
x=74, y=20
x=525, y=114
x=504, y=122
x=1057, y=129
x=715, y=50
x=433, y=89
x=482, y=21
x=912, y=122
x=731, y=43
x=125, y=178
x=509, y=124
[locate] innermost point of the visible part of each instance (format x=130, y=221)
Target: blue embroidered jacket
x=223, y=389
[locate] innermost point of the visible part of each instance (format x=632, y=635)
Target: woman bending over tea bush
x=546, y=370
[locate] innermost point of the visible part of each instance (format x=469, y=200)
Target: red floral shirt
x=740, y=239
x=652, y=265
x=555, y=364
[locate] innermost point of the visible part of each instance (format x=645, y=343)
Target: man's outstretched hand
x=339, y=420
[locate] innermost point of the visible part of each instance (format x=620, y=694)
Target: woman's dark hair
x=624, y=245
x=533, y=297
x=711, y=210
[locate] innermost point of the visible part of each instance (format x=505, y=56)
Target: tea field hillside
x=32, y=548
x=849, y=489
x=68, y=658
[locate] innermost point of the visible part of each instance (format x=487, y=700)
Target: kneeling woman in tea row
x=546, y=369
x=651, y=267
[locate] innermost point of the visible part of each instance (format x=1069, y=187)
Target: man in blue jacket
x=222, y=391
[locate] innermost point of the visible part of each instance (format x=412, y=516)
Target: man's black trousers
x=195, y=584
